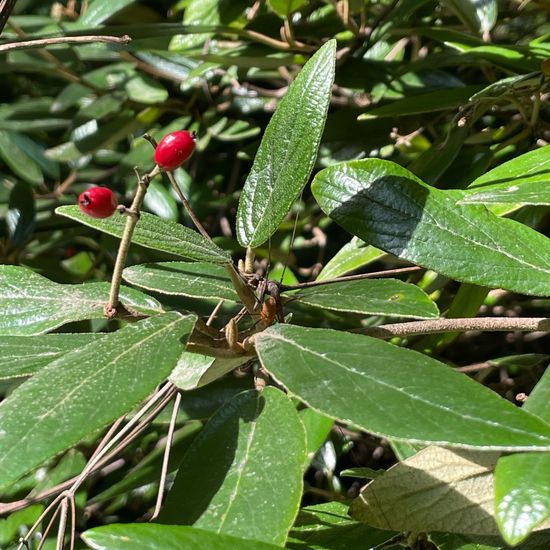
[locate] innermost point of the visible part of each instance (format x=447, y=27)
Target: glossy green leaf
x=389, y=207
x=84, y=390
x=154, y=232
x=522, y=494
x=351, y=256
x=285, y=7
x=429, y=102
x=99, y=11
x=288, y=150
x=371, y=297
x=20, y=217
x=18, y=159
x=24, y=355
x=194, y=370
x=459, y=481
x=479, y=16
x=329, y=527
x=144, y=89
x=159, y=201
x=340, y=372
x=318, y=427
x=224, y=483
x=150, y=536
x=197, y=280
x=31, y=304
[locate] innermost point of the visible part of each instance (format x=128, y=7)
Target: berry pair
x=172, y=151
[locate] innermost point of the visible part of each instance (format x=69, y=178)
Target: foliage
x=422, y=127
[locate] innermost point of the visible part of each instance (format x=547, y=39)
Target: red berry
x=174, y=149
x=98, y=202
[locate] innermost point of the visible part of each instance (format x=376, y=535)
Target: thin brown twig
x=489, y=324
x=386, y=273
x=44, y=42
x=166, y=457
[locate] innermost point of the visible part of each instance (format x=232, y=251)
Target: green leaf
x=479, y=16
x=539, y=399
x=459, y=481
x=351, y=256
x=522, y=494
x=223, y=483
x=31, y=304
x=99, y=11
x=149, y=536
x=25, y=355
x=197, y=280
x=195, y=370
x=371, y=297
x=20, y=217
x=284, y=8
x=84, y=390
x=18, y=159
x=154, y=232
x=146, y=90
x=287, y=153
x=329, y=527
x=418, y=399
x=318, y=427
x=429, y=102
x=159, y=201
x=387, y=206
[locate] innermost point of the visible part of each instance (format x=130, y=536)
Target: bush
x=226, y=360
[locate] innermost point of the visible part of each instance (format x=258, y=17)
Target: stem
x=386, y=273
x=62, y=525
x=43, y=42
x=124, y=247
x=187, y=207
x=490, y=324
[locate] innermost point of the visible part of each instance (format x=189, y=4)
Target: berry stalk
x=124, y=247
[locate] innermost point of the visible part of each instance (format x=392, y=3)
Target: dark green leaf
x=539, y=399
x=20, y=218
x=197, y=280
x=288, y=150
x=329, y=527
x=335, y=379
x=84, y=390
x=371, y=297
x=430, y=102
x=31, y=304
x=149, y=536
x=99, y=11
x=285, y=7
x=25, y=355
x=19, y=160
x=160, y=202
x=223, y=483
x=154, y=232
x=387, y=206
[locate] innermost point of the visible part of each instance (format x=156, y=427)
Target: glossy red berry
x=174, y=149
x=98, y=202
